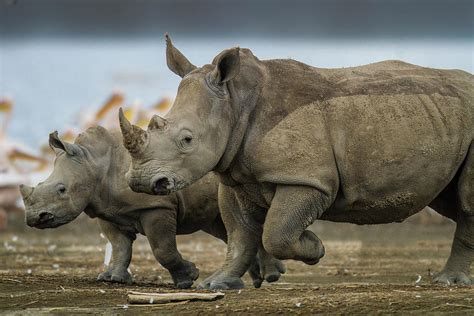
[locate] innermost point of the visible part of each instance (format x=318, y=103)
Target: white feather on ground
x=108, y=253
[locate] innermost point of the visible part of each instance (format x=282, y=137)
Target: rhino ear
x=58, y=145
x=227, y=66
x=176, y=61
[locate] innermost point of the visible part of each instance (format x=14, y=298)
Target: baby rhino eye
x=61, y=189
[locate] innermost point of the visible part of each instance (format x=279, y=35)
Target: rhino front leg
x=292, y=210
x=263, y=266
x=160, y=228
x=117, y=270
x=242, y=245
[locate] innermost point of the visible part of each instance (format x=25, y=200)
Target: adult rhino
x=89, y=176
x=292, y=144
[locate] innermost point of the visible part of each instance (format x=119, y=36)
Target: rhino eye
x=61, y=189
x=188, y=139
x=185, y=140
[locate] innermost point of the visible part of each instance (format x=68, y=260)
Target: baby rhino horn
x=134, y=138
x=25, y=191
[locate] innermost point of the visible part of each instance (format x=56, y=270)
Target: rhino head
x=65, y=193
x=190, y=142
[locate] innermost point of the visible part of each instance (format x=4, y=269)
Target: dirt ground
x=367, y=269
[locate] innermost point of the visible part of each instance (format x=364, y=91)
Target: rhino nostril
x=161, y=185
x=45, y=216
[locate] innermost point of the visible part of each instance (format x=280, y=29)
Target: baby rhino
x=89, y=176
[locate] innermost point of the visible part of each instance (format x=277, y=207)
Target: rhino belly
x=394, y=207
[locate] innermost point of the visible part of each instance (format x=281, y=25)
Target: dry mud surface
x=370, y=269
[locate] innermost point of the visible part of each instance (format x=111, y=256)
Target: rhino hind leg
x=457, y=268
x=292, y=210
x=117, y=270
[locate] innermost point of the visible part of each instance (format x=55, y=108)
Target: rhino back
x=291, y=84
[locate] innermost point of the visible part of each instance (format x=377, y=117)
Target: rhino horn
x=176, y=61
x=134, y=138
x=25, y=191
x=157, y=122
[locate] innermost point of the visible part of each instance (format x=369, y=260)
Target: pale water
x=52, y=81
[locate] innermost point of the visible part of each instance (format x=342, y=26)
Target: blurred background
x=68, y=64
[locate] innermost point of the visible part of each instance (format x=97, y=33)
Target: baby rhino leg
x=160, y=228
x=117, y=271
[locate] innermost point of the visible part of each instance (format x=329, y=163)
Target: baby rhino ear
x=58, y=145
x=156, y=122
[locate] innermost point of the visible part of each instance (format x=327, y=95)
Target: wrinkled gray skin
x=292, y=144
x=89, y=176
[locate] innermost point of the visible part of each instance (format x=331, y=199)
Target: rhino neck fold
x=105, y=161
x=242, y=110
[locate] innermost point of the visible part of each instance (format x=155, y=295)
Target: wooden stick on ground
x=160, y=298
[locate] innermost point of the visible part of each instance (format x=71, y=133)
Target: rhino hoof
x=226, y=284
x=108, y=276
x=219, y=282
x=185, y=278
x=273, y=277
x=319, y=250
x=274, y=272
x=453, y=278
x=257, y=282
x=121, y=278
x=104, y=276
x=184, y=284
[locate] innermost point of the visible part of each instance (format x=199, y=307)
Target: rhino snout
x=162, y=185
x=40, y=220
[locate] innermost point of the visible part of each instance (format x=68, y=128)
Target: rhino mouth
x=49, y=224
x=45, y=220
